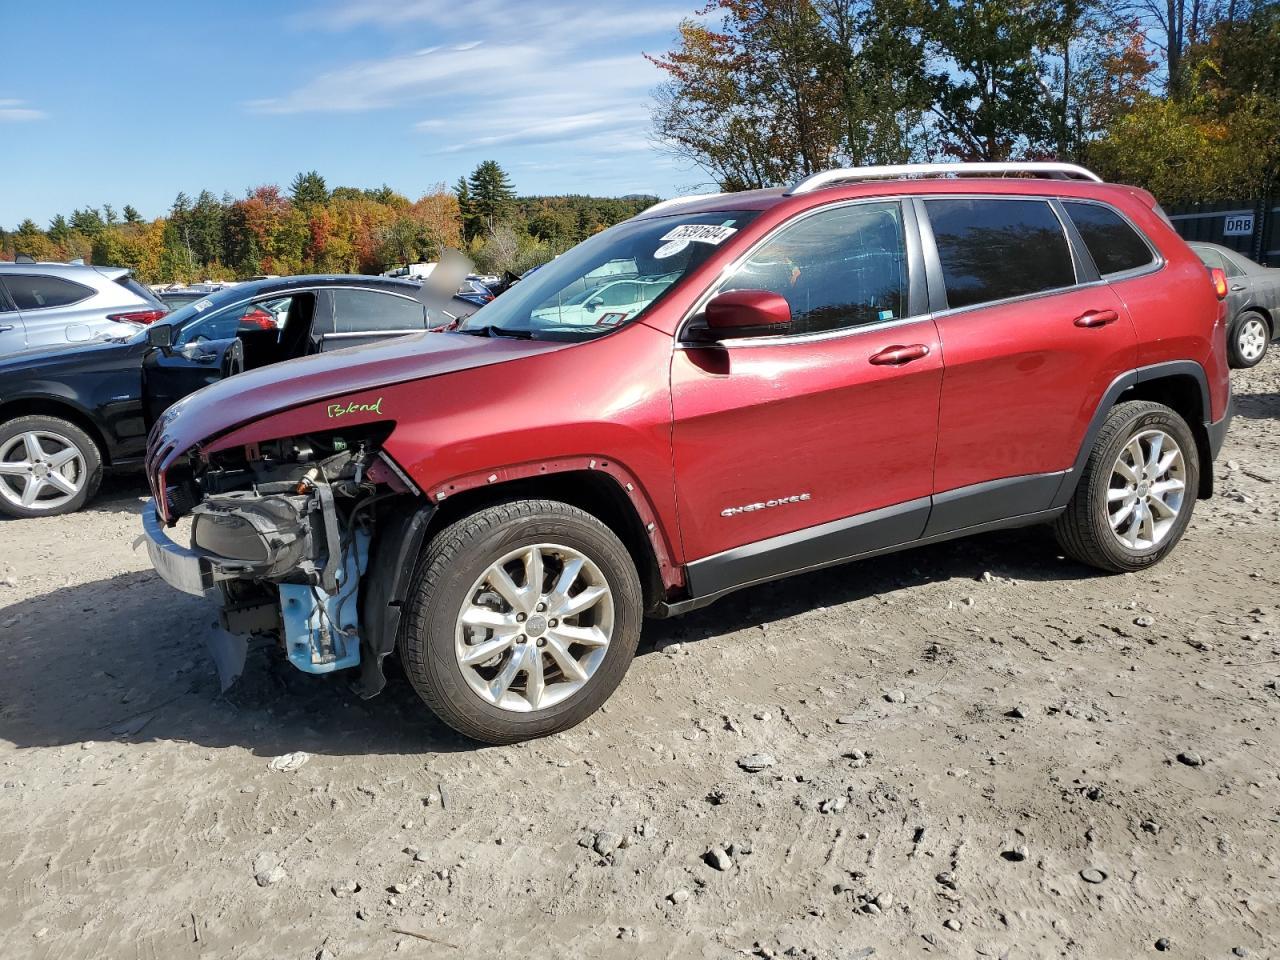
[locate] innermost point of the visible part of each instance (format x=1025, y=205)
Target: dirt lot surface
x=977, y=750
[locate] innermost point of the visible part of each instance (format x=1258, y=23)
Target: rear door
x=1032, y=338
x=13, y=336
x=348, y=317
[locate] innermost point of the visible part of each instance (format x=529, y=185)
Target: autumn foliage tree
x=312, y=229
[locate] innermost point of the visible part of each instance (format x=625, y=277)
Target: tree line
x=1179, y=96
x=311, y=228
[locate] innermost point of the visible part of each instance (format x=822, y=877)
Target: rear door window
x=35, y=292
x=999, y=249
x=1114, y=245
x=369, y=311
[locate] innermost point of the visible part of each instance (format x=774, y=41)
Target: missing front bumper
x=317, y=579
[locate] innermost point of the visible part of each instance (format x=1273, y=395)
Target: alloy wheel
x=1147, y=490
x=1252, y=339
x=41, y=470
x=535, y=627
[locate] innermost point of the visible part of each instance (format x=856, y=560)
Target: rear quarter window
x=996, y=249
x=34, y=292
x=1114, y=245
x=138, y=289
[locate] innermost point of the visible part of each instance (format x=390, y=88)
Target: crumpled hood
x=272, y=389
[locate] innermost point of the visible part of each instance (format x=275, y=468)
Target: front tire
x=48, y=467
x=523, y=620
x=1248, y=338
x=1135, y=497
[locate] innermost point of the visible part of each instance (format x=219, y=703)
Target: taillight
x=1219, y=282
x=138, y=316
x=258, y=319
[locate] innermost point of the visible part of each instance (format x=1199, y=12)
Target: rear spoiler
x=1146, y=197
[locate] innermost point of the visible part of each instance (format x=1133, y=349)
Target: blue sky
x=132, y=102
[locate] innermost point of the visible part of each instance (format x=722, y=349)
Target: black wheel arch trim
x=1126, y=381
x=394, y=553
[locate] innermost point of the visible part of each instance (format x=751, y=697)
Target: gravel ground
x=971, y=750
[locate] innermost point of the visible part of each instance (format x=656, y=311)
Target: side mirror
x=160, y=335
x=744, y=313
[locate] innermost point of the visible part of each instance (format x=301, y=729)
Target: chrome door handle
x=5, y=327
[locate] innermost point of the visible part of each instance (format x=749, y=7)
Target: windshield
x=197, y=307
x=608, y=280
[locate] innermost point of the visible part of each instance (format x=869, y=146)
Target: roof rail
x=1050, y=170
x=679, y=201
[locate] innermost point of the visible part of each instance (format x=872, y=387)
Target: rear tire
x=55, y=457
x=1127, y=513
x=1248, y=339
x=557, y=670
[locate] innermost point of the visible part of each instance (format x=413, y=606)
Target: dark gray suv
x=47, y=304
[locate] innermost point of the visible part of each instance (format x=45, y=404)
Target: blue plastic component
x=320, y=629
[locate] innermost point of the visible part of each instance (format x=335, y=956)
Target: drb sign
x=1238, y=225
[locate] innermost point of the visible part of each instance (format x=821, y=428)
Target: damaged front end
x=286, y=533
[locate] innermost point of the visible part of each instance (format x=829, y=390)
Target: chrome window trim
x=1038, y=295
x=351, y=334
x=783, y=339
x=1158, y=261
x=823, y=335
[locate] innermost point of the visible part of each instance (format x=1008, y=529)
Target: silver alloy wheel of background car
x=543, y=613
x=1251, y=339
x=1148, y=484
x=41, y=470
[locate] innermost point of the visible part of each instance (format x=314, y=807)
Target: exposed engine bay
x=287, y=527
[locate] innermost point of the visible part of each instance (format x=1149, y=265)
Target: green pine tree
x=492, y=195
x=308, y=189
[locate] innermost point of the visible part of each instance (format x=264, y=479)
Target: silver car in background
x=47, y=304
x=1253, y=302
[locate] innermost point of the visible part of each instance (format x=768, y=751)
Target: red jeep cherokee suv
x=721, y=391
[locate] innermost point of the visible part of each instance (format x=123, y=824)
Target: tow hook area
x=320, y=625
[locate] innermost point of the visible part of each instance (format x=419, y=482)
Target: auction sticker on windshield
x=680, y=237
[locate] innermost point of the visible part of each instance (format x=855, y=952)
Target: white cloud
x=566, y=79
x=545, y=20
x=16, y=111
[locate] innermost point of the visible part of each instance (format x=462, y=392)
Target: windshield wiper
x=493, y=331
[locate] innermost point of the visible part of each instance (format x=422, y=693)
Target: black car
x=67, y=413
x=1253, y=302
x=177, y=299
